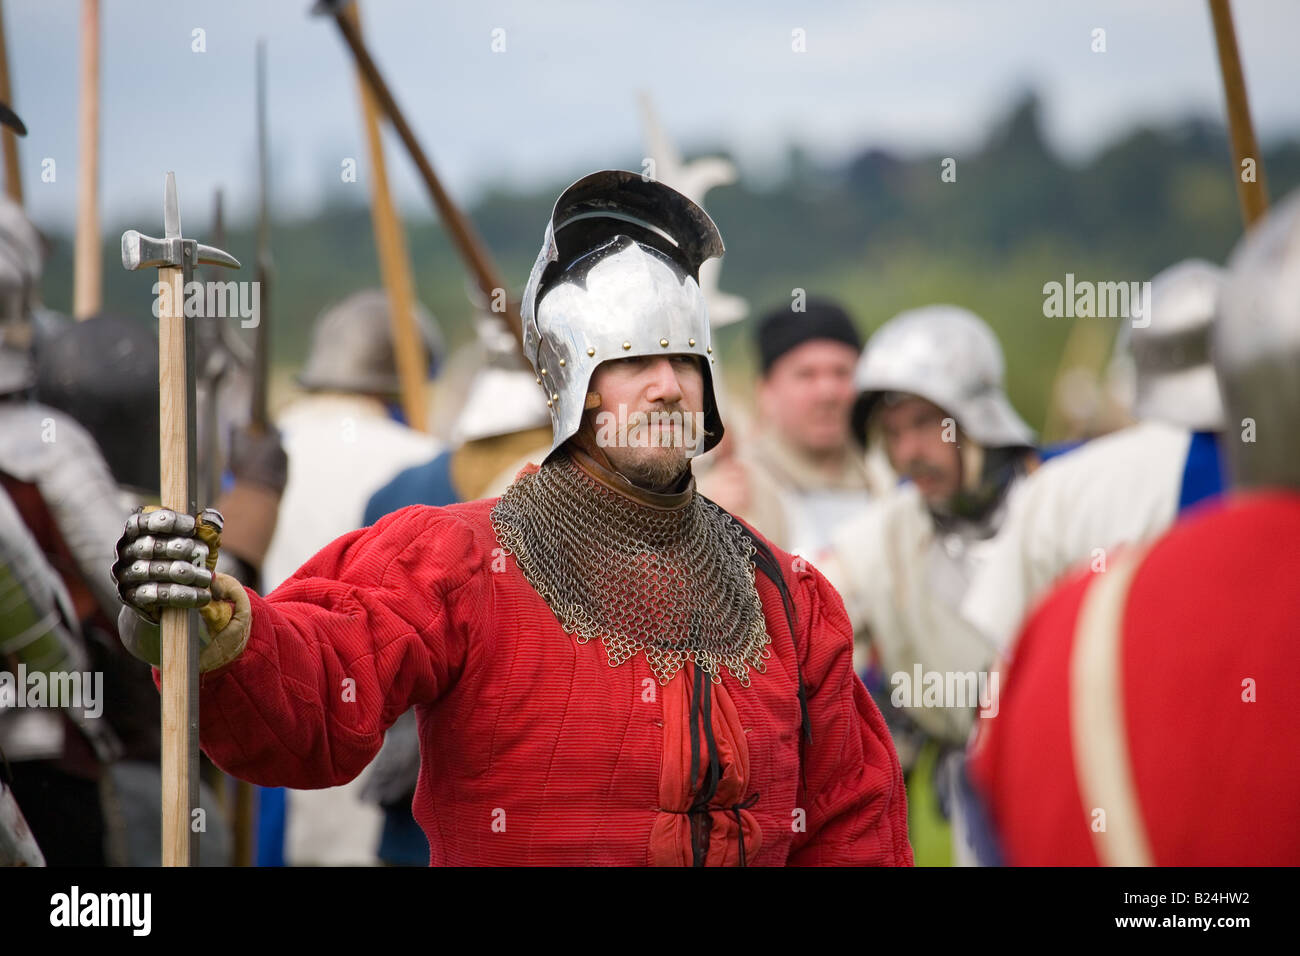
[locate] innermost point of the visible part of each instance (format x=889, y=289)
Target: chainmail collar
x=670, y=574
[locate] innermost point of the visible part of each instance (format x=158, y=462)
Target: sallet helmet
x=617, y=277
x=946, y=355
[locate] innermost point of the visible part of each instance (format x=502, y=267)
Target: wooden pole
x=87, y=287
x=259, y=417
x=394, y=263
x=466, y=240
x=243, y=824
x=178, y=640
x=1252, y=193
x=13, y=181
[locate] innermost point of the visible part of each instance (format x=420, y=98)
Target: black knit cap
x=783, y=329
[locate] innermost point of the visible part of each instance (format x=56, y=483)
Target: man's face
x=807, y=395
x=649, y=421
x=914, y=431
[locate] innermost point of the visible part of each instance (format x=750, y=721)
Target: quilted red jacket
x=534, y=750
x=1200, y=754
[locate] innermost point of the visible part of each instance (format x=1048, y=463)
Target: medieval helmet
x=948, y=356
x=20, y=272
x=352, y=346
x=502, y=397
x=1167, y=360
x=1255, y=346
x=617, y=277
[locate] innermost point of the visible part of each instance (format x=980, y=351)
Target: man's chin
x=937, y=495
x=820, y=441
x=654, y=469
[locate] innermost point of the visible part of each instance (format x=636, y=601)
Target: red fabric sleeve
x=367, y=628
x=855, y=797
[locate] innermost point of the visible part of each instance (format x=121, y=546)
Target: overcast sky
x=560, y=99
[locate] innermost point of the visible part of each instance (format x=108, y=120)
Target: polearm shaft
x=466, y=239
x=179, y=671
x=394, y=260
x=1253, y=194
x=87, y=283
x=13, y=181
x=258, y=414
x=210, y=455
x=175, y=259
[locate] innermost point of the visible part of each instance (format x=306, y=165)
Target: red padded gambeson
x=534, y=750
x=1213, y=605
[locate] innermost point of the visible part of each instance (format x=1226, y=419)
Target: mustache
x=643, y=414
x=673, y=431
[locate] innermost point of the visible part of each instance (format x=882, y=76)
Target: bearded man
x=598, y=673
x=931, y=393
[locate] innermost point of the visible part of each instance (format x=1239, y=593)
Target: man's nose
x=663, y=386
x=909, y=444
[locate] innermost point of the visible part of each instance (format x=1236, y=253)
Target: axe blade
x=208, y=256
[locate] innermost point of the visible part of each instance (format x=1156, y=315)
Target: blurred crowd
x=1081, y=650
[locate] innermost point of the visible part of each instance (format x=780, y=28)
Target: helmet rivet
x=664, y=343
x=555, y=397
x=591, y=351
x=709, y=349
x=690, y=342
x=543, y=371
x=548, y=403
x=626, y=346
x=538, y=381
x=561, y=363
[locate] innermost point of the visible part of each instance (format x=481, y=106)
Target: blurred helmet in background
x=1161, y=370
x=949, y=356
x=1255, y=346
x=21, y=256
x=352, y=347
x=503, y=396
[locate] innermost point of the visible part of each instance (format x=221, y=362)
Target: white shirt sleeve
x=1077, y=509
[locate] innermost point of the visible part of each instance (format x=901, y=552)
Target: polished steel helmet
x=352, y=347
x=503, y=397
x=1255, y=346
x=617, y=277
x=946, y=355
x=1167, y=359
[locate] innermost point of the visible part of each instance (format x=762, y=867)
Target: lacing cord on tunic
x=701, y=817
x=701, y=820
x=740, y=826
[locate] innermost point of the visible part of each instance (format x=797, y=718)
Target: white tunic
x=342, y=449
x=903, y=581
x=1077, y=509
